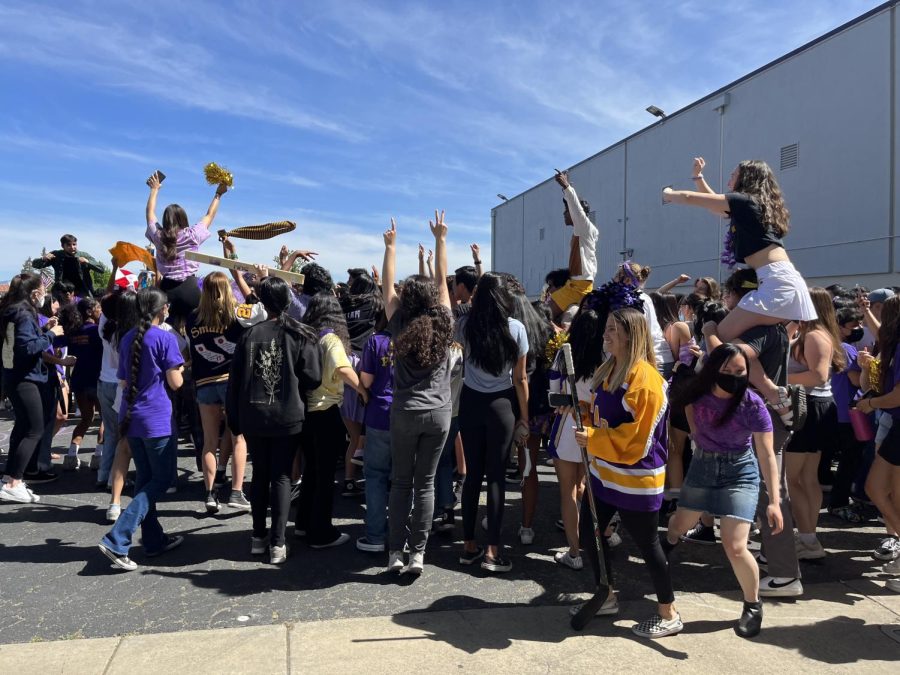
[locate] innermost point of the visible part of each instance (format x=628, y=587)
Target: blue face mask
x=681, y=316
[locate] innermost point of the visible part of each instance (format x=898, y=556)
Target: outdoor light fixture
x=503, y=197
x=656, y=112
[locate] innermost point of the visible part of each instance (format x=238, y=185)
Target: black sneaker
x=212, y=502
x=444, y=522
x=496, y=565
x=123, y=562
x=171, y=542
x=39, y=477
x=700, y=534
x=469, y=557
x=351, y=489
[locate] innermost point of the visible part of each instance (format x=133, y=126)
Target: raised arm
x=669, y=285
x=213, y=209
x=391, y=301
x=439, y=230
x=476, y=259
x=153, y=182
x=421, y=260
x=700, y=184
x=111, y=284
x=430, y=263
x=229, y=251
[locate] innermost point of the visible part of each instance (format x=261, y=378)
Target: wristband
x=477, y=262
x=700, y=177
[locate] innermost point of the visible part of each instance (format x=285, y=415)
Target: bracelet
x=700, y=177
x=477, y=262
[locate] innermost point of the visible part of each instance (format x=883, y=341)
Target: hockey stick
x=589, y=610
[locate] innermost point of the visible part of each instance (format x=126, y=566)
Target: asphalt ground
x=55, y=584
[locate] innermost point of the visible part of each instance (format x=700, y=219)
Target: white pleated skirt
x=782, y=293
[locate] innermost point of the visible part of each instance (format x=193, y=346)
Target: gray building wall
x=835, y=98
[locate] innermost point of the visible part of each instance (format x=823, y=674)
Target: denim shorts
x=212, y=394
x=722, y=484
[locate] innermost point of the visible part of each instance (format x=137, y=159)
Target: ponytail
x=150, y=303
x=174, y=220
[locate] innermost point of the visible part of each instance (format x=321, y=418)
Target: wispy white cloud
x=178, y=72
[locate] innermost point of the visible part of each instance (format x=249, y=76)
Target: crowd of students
x=732, y=402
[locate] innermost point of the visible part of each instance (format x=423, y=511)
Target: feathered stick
x=264, y=231
x=216, y=174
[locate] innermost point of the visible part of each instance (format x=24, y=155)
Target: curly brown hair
x=429, y=326
x=755, y=178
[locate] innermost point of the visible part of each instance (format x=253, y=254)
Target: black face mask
x=731, y=383
x=856, y=335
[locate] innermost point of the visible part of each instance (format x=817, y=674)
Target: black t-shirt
x=359, y=311
x=211, y=351
x=771, y=345
x=749, y=233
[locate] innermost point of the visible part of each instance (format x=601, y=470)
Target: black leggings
x=323, y=441
x=486, y=422
x=184, y=296
x=643, y=526
x=273, y=457
x=28, y=405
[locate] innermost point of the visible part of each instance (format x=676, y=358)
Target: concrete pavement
x=852, y=626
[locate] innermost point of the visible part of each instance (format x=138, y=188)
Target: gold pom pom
x=554, y=344
x=875, y=375
x=216, y=174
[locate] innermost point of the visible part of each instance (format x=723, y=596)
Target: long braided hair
x=150, y=302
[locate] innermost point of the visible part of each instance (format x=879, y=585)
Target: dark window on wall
x=790, y=156
x=541, y=234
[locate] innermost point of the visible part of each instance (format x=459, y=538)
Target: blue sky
x=338, y=115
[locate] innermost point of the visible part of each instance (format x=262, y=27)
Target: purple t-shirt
x=42, y=321
x=378, y=360
x=893, y=379
x=736, y=433
x=842, y=388
x=189, y=239
x=151, y=412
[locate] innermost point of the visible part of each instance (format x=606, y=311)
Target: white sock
x=73, y=449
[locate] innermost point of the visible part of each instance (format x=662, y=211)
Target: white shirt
x=660, y=346
x=109, y=362
x=587, y=236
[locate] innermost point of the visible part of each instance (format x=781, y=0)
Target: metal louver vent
x=790, y=156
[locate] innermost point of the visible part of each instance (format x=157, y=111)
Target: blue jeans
x=106, y=394
x=377, y=472
x=155, y=463
x=443, y=479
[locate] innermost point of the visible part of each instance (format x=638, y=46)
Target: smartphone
x=662, y=197
x=160, y=175
x=558, y=400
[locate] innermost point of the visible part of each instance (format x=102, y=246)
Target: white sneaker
x=615, y=539
x=893, y=585
x=416, y=564
x=395, y=561
x=565, y=558
x=888, y=549
x=526, y=535
x=19, y=494
x=113, y=511
x=657, y=627
x=893, y=567
x=278, y=555
x=777, y=587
